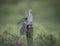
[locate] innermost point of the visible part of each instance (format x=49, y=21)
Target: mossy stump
x=29, y=35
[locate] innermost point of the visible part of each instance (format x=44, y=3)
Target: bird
x=26, y=21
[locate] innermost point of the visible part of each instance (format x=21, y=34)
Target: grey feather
x=23, y=30
x=24, y=24
x=26, y=21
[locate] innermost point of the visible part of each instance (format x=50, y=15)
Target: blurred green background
x=46, y=21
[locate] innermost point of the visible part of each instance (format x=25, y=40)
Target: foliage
x=46, y=22
x=46, y=40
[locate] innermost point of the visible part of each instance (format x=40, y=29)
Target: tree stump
x=29, y=35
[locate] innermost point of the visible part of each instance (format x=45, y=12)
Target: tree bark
x=29, y=35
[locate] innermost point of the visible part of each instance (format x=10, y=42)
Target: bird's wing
x=22, y=21
x=23, y=30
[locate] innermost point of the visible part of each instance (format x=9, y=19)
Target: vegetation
x=46, y=22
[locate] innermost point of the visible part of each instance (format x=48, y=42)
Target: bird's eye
x=25, y=18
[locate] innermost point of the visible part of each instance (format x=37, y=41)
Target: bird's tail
x=23, y=30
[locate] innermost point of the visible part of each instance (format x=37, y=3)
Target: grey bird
x=26, y=21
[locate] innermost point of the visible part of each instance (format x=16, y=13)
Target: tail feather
x=23, y=30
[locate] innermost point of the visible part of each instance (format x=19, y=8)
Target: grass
x=43, y=21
